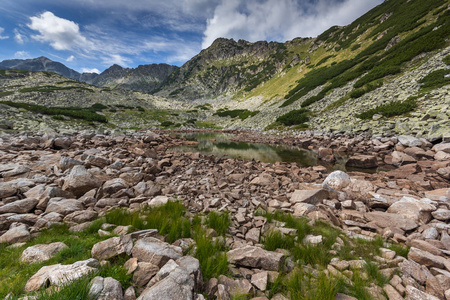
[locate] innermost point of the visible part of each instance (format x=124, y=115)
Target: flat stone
x=384, y=220
x=42, y=252
x=414, y=294
x=425, y=258
x=7, y=189
x=362, y=161
x=112, y=247
x=417, y=210
x=313, y=197
x=156, y=252
x=409, y=141
x=438, y=195
x=16, y=234
x=255, y=257
x=64, y=206
x=19, y=206
x=259, y=280
x=57, y=275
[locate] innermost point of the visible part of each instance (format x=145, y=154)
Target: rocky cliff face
x=144, y=78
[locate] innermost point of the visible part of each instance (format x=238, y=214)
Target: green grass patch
x=395, y=108
x=220, y=222
x=7, y=93
x=167, y=123
x=77, y=289
x=206, y=124
x=446, y=60
x=51, y=89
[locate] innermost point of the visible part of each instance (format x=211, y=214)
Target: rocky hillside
x=46, y=102
x=144, y=78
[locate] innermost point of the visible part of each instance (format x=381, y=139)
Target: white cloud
x=2, y=37
x=87, y=70
x=22, y=55
x=70, y=58
x=62, y=34
x=280, y=20
x=117, y=59
x=18, y=37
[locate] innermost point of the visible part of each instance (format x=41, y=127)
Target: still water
x=222, y=146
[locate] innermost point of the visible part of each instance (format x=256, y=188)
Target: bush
x=446, y=60
x=241, y=113
x=435, y=79
x=294, y=117
x=392, y=109
x=166, y=123
x=357, y=93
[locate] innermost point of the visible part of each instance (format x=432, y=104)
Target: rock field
x=47, y=180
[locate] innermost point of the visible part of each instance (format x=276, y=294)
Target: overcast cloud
x=94, y=34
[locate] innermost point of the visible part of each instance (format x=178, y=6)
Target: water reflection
x=221, y=145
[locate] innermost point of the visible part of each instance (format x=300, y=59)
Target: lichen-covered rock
x=112, y=247
x=42, y=252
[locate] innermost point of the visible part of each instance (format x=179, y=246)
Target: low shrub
x=395, y=108
x=435, y=79
x=294, y=117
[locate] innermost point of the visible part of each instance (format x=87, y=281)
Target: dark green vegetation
x=294, y=117
x=446, y=60
x=374, y=59
x=435, y=79
x=4, y=94
x=395, y=108
x=51, y=88
x=88, y=114
x=241, y=113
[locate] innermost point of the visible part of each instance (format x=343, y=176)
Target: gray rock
x=337, y=180
x=441, y=214
x=255, y=257
x=81, y=216
x=7, y=189
x=106, y=289
x=112, y=247
x=41, y=252
x=97, y=161
x=417, y=210
x=445, y=147
x=80, y=181
x=114, y=185
x=60, y=274
x=63, y=206
x=156, y=252
x=401, y=158
x=66, y=163
x=385, y=220
x=415, y=294
x=313, y=197
x=19, y=206
x=143, y=273
x=16, y=234
x=178, y=285
x=409, y=141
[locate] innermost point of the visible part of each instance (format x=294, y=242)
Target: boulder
x=114, y=185
x=143, y=273
x=337, y=180
x=401, y=158
x=7, y=189
x=112, y=247
x=415, y=270
x=155, y=251
x=386, y=220
x=63, y=206
x=415, y=294
x=438, y=195
x=444, y=147
x=80, y=181
x=313, y=197
x=441, y=214
x=417, y=210
x=409, y=141
x=66, y=163
x=442, y=156
x=97, y=161
x=362, y=161
x=255, y=257
x=41, y=252
x=81, y=216
x=57, y=275
x=105, y=289
x=16, y=234
x=425, y=258
x=177, y=285
x=444, y=172
x=19, y=207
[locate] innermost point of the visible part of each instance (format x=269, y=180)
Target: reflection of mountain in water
x=220, y=145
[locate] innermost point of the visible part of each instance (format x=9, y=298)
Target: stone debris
x=80, y=178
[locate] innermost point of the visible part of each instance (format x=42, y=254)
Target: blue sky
x=91, y=35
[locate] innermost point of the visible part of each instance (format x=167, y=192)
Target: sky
x=92, y=35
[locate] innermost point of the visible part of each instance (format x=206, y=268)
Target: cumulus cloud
x=70, y=58
x=280, y=20
x=2, y=37
x=22, y=55
x=88, y=70
x=62, y=34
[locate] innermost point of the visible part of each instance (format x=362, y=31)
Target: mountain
x=386, y=72
x=144, y=78
x=40, y=64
